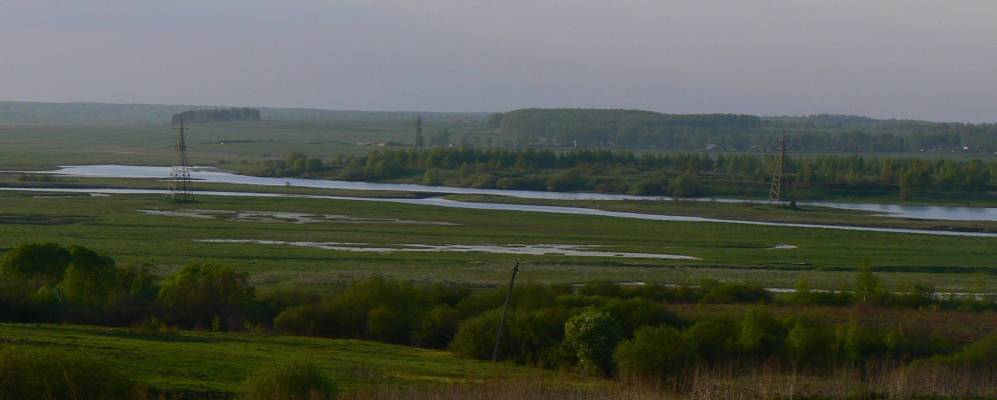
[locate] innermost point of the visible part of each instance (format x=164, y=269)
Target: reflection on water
x=525, y=249
x=215, y=176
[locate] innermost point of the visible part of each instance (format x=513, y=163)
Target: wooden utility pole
x=505, y=309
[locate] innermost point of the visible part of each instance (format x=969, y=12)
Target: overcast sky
x=934, y=60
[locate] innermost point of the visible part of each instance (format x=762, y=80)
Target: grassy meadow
x=115, y=225
x=219, y=363
x=230, y=145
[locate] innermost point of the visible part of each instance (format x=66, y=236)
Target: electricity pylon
x=779, y=193
x=180, y=187
x=418, y=132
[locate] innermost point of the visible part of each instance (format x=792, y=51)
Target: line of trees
x=678, y=174
x=217, y=115
x=735, y=132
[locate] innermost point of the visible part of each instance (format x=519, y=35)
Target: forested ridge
x=217, y=115
x=621, y=171
x=737, y=132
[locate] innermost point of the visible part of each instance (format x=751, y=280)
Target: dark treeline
x=731, y=132
x=677, y=174
x=217, y=115
x=600, y=328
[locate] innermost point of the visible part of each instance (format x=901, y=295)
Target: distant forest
x=735, y=132
x=675, y=174
x=217, y=115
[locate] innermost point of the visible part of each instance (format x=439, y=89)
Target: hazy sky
x=933, y=60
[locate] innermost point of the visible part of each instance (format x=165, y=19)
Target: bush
x=635, y=313
x=807, y=343
x=728, y=293
x=206, y=295
x=654, y=353
x=35, y=373
x=593, y=335
x=714, y=339
x=476, y=337
x=857, y=342
x=296, y=380
x=760, y=334
x=980, y=355
x=536, y=337
x=436, y=328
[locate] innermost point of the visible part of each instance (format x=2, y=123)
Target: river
x=216, y=176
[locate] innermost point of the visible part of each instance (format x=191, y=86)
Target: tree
x=685, y=185
x=868, y=289
x=45, y=261
x=593, y=335
x=90, y=277
x=199, y=295
x=806, y=342
x=760, y=333
x=656, y=352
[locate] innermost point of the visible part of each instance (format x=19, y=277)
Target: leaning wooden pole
x=505, y=310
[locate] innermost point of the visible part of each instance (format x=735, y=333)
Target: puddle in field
x=526, y=249
x=277, y=216
x=783, y=246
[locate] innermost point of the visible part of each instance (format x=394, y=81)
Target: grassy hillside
x=206, y=362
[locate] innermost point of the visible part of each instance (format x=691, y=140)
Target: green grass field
x=115, y=226
x=205, y=362
x=231, y=145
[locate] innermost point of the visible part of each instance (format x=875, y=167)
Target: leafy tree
x=807, y=342
x=868, y=288
x=714, y=339
x=90, y=277
x=759, y=333
x=593, y=335
x=200, y=294
x=44, y=261
x=655, y=352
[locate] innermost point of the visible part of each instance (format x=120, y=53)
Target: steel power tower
x=418, y=132
x=180, y=188
x=779, y=193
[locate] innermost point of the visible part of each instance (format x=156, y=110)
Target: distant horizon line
x=401, y=111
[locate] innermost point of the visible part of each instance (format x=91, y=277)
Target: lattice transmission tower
x=418, y=132
x=779, y=193
x=180, y=187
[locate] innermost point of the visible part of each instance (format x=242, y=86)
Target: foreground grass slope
x=205, y=362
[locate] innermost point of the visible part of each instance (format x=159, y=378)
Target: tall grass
x=732, y=381
x=29, y=373
x=294, y=380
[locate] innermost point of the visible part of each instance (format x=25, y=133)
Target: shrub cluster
x=600, y=328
